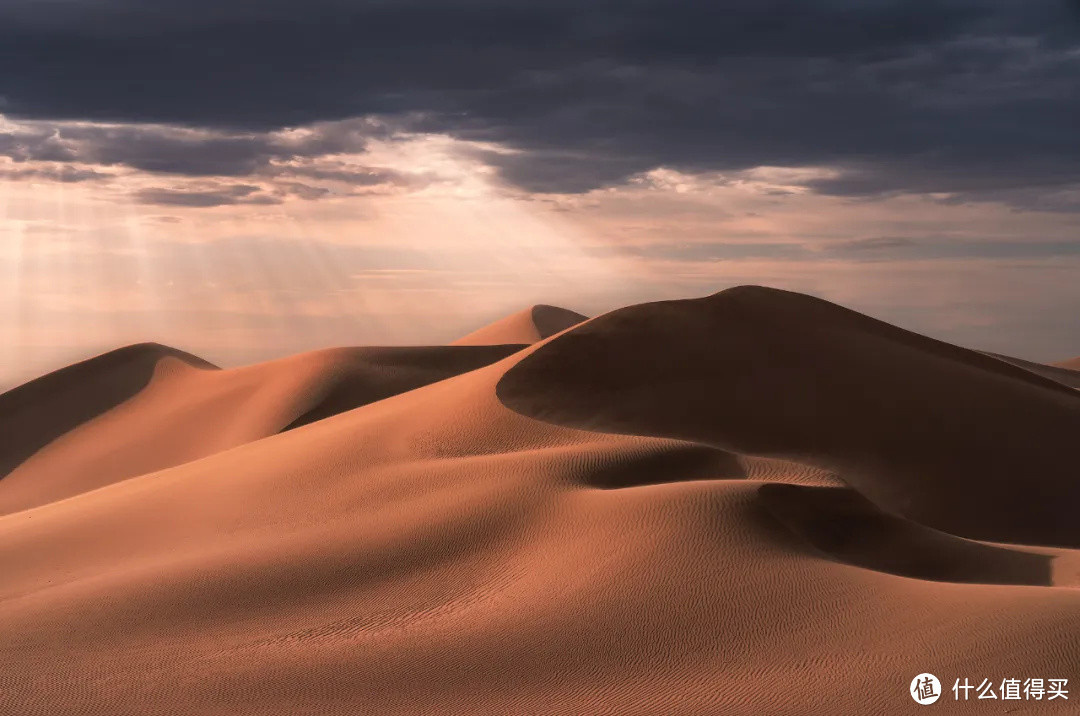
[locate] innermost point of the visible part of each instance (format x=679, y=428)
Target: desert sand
x=756, y=502
x=528, y=326
x=1071, y=364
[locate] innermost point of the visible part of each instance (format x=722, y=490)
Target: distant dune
x=1059, y=372
x=528, y=326
x=1071, y=364
x=154, y=407
x=756, y=502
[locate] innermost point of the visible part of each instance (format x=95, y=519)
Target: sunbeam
x=240, y=281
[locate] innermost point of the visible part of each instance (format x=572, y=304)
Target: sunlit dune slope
x=147, y=407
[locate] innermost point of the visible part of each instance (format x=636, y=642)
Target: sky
x=245, y=179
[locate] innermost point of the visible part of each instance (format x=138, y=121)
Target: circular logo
x=925, y=689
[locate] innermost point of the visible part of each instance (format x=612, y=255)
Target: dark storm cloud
x=154, y=150
x=192, y=152
x=40, y=144
x=910, y=95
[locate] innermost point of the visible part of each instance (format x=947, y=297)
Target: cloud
x=908, y=95
x=304, y=191
x=64, y=173
x=873, y=243
x=227, y=195
x=30, y=142
x=347, y=173
x=186, y=151
x=347, y=158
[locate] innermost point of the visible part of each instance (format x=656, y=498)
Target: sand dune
x=751, y=503
x=144, y=408
x=1059, y=372
x=931, y=431
x=33, y=415
x=528, y=326
x=1071, y=364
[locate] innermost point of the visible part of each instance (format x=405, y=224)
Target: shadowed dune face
x=374, y=531
x=550, y=320
x=528, y=326
x=667, y=461
x=841, y=523
x=948, y=437
x=362, y=376
x=1059, y=373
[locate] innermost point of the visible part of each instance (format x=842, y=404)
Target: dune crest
x=922, y=428
x=528, y=326
x=34, y=414
x=145, y=408
x=1071, y=364
x=1057, y=372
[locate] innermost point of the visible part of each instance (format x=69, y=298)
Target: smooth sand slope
x=143, y=408
x=752, y=503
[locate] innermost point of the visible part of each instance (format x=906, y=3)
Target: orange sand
x=751, y=503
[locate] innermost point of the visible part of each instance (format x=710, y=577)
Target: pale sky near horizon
x=925, y=176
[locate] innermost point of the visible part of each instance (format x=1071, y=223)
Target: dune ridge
x=1070, y=364
x=918, y=426
x=34, y=414
x=1059, y=372
x=528, y=326
x=731, y=505
x=144, y=408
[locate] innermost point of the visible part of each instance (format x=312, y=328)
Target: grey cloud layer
x=218, y=196
x=182, y=151
x=63, y=173
x=969, y=96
